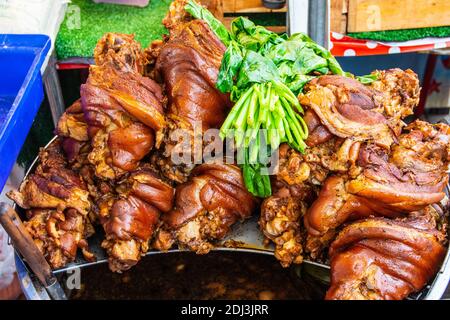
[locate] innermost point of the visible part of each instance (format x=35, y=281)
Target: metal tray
x=246, y=237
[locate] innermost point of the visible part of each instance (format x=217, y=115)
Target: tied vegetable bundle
x=264, y=72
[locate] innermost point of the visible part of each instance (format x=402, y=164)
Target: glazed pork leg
x=131, y=217
x=342, y=116
x=412, y=176
x=123, y=109
x=73, y=131
x=52, y=185
x=189, y=65
x=58, y=203
x=378, y=258
x=206, y=206
x=343, y=107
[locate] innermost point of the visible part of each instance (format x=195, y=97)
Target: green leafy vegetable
x=252, y=37
x=299, y=59
x=296, y=84
x=264, y=72
x=367, y=79
x=255, y=182
x=308, y=61
x=229, y=68
x=256, y=69
x=266, y=115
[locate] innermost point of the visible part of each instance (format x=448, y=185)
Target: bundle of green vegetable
x=264, y=72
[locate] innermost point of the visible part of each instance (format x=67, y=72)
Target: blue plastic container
x=21, y=93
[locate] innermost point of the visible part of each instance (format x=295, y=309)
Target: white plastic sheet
x=7, y=267
x=32, y=17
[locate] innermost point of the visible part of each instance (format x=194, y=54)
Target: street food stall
x=222, y=149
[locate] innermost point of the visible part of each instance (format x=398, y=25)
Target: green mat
x=145, y=23
x=403, y=35
x=97, y=19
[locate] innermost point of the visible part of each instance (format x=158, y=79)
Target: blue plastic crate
x=21, y=93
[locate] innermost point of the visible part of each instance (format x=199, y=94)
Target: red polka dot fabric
x=345, y=46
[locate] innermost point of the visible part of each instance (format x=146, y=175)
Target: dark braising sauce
x=217, y=275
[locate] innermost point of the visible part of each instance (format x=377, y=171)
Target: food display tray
x=244, y=237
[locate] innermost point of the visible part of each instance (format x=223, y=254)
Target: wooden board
x=338, y=16
x=240, y=6
x=277, y=29
x=215, y=6
x=375, y=15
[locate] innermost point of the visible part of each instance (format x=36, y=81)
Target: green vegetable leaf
x=252, y=37
x=256, y=183
x=256, y=69
x=367, y=79
x=308, y=61
x=297, y=83
x=333, y=65
x=298, y=57
x=285, y=51
x=229, y=68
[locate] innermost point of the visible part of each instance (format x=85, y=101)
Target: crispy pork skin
x=53, y=185
x=296, y=186
x=176, y=16
x=120, y=51
x=72, y=124
x=280, y=221
x=402, y=91
x=317, y=132
x=379, y=258
x=58, y=235
x=412, y=176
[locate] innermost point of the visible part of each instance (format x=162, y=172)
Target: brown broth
x=217, y=275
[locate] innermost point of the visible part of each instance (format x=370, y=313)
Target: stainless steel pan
x=246, y=237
